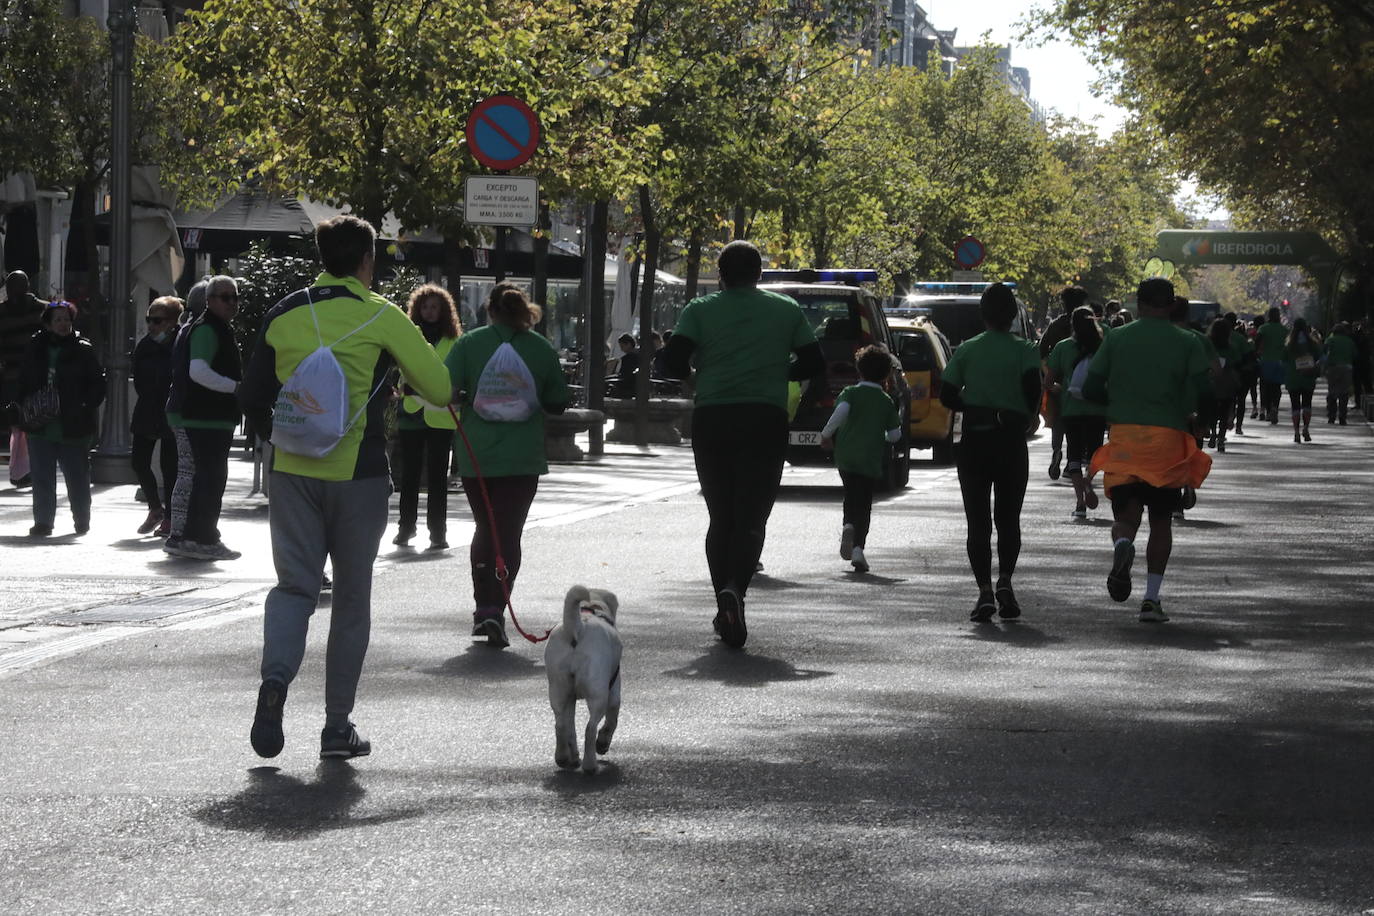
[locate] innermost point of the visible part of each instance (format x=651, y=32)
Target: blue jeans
x=45, y=457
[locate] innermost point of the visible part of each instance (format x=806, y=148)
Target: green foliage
x=265, y=278
x=1267, y=102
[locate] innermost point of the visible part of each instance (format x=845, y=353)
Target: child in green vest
x=865, y=421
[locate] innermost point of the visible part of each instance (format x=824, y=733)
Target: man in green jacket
x=336, y=504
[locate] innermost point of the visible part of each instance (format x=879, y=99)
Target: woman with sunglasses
x=152, y=380
x=59, y=356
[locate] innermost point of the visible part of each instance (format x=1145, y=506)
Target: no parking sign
x=502, y=132
x=969, y=253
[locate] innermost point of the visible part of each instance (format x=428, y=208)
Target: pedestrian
x=1361, y=380
x=1152, y=376
x=1085, y=421
x=1339, y=358
x=1225, y=380
x=627, y=368
x=20, y=318
x=203, y=412
x=743, y=340
x=511, y=376
x=864, y=423
x=1061, y=328
x=1301, y=367
x=994, y=379
x=334, y=505
x=152, y=375
x=1270, y=340
x=1247, y=370
x=59, y=357
x=1207, y=406
x=426, y=430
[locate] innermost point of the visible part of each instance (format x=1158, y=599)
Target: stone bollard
x=664, y=416
x=561, y=431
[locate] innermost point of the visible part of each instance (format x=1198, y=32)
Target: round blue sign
x=502, y=132
x=969, y=253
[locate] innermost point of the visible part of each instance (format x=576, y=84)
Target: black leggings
x=739, y=451
x=141, y=458
x=427, y=448
x=993, y=466
x=1085, y=435
x=510, y=501
x=1300, y=401
x=858, y=503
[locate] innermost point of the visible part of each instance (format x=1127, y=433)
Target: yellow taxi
x=924, y=352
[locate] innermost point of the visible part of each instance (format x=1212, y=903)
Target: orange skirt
x=1154, y=455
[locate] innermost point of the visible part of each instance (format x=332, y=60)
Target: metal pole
x=111, y=464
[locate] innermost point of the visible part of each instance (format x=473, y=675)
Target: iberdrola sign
x=1191, y=246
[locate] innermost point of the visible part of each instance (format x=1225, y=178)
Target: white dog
x=582, y=659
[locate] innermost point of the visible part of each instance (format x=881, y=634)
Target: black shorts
x=1156, y=499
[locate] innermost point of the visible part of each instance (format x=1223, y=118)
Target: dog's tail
x=572, y=611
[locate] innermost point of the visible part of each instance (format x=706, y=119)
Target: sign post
x=502, y=133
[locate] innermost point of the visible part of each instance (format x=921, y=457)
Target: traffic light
x=1285, y=303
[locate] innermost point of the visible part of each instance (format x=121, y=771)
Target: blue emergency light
x=809, y=275
x=950, y=289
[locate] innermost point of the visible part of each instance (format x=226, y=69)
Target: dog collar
x=597, y=613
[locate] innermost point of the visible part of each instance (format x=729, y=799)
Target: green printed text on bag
x=311, y=416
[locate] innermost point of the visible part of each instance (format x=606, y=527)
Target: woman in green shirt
x=505, y=427
x=1085, y=422
x=1301, y=366
x=994, y=379
x=1226, y=381
x=1340, y=372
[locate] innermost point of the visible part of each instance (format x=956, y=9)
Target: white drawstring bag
x=506, y=392
x=310, y=416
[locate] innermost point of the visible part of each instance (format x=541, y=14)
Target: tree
x=1265, y=101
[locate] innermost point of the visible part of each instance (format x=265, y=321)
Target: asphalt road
x=870, y=751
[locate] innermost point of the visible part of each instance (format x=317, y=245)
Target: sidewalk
x=65, y=593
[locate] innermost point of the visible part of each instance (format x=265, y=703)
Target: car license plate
x=799, y=437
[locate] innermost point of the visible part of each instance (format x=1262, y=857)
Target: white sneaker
x=846, y=542
x=216, y=551
x=857, y=558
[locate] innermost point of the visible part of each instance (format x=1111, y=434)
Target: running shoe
x=1212, y=442
x=729, y=622
x=438, y=543
x=176, y=547
x=846, y=542
x=1254, y=414
x=343, y=743
x=1119, y=579
x=40, y=531
x=403, y=536
x=1080, y=512
x=1054, y=464
x=1306, y=434
x=165, y=529
x=217, y=551
x=1151, y=612
x=1090, y=498
x=493, y=629
x=984, y=609
x=1007, y=606
x=266, y=737
x=860, y=564
x=1221, y=445
x=1297, y=438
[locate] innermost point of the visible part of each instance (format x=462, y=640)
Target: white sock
x=1153, y=582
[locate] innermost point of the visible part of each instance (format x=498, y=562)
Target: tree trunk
x=646, y=313
x=694, y=243
x=594, y=319
x=740, y=222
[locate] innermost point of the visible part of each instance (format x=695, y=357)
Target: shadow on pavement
x=283, y=807
x=1012, y=633
x=740, y=668
x=574, y=783
x=482, y=663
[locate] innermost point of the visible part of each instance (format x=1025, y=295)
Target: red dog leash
x=502, y=573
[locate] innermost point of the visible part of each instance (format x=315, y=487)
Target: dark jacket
x=152, y=381
x=80, y=379
x=196, y=402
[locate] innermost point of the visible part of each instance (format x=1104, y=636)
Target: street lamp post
x=111, y=463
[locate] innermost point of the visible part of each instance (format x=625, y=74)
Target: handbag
x=39, y=408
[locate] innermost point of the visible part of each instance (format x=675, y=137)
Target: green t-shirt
x=1340, y=350
x=1207, y=346
x=1153, y=374
x=505, y=449
x=861, y=440
x=204, y=345
x=1295, y=380
x=1269, y=341
x=988, y=369
x=1064, y=358
x=744, y=341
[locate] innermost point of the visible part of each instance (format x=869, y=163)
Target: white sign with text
x=501, y=200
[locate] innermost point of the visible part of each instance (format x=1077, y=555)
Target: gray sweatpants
x=310, y=519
